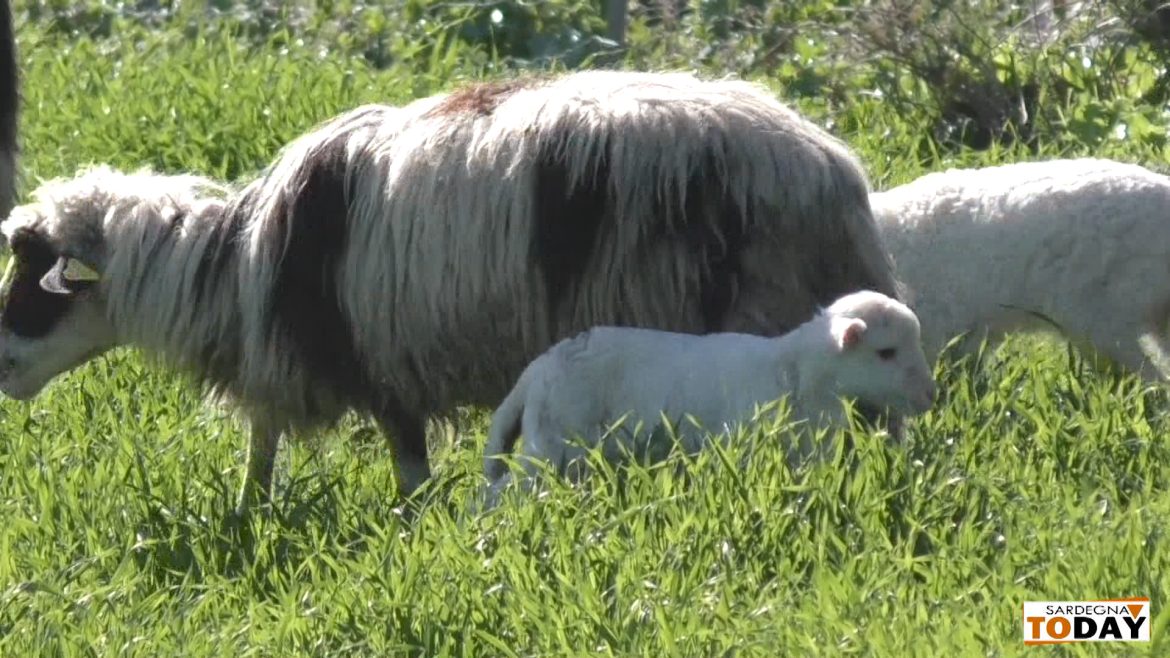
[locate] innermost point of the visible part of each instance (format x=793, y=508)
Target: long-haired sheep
x=1083, y=243
x=864, y=346
x=402, y=261
x=9, y=109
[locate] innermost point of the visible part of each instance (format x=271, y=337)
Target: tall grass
x=1035, y=477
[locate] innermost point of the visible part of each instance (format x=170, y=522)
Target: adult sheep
x=1078, y=246
x=402, y=261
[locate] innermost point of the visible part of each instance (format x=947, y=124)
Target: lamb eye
x=887, y=353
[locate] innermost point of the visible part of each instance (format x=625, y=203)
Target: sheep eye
x=887, y=353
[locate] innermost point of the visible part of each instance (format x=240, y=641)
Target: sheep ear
x=64, y=271
x=847, y=332
x=54, y=279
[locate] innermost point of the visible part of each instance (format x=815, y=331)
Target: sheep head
x=52, y=314
x=878, y=355
x=72, y=246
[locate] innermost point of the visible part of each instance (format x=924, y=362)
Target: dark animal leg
x=408, y=439
x=262, y=446
x=9, y=110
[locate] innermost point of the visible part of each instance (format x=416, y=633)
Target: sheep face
x=879, y=359
x=52, y=318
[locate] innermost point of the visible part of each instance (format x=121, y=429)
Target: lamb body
x=1084, y=243
x=864, y=346
x=400, y=262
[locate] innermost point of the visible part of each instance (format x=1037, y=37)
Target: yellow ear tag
x=76, y=270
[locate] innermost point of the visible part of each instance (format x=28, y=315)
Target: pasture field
x=1035, y=478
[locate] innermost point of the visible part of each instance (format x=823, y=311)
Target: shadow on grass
x=197, y=535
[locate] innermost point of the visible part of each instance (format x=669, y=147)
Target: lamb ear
x=65, y=270
x=847, y=332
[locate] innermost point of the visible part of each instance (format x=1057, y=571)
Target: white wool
x=709, y=384
x=1084, y=243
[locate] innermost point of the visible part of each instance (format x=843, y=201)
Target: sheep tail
x=505, y=428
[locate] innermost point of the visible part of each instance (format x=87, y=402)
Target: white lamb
x=864, y=346
x=1084, y=244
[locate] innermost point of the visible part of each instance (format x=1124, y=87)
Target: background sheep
x=9, y=110
x=402, y=261
x=865, y=346
x=1083, y=243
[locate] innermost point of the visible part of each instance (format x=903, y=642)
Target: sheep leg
x=1156, y=346
x=493, y=492
x=408, y=439
x=1132, y=354
x=1155, y=343
x=257, y=486
x=1126, y=342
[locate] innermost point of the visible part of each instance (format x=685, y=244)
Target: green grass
x=1036, y=478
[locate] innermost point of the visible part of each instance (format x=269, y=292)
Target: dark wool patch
x=28, y=310
x=568, y=219
x=219, y=258
x=714, y=226
x=312, y=219
x=407, y=431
